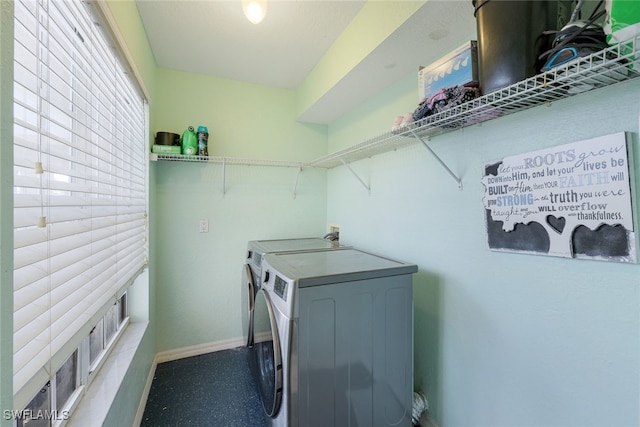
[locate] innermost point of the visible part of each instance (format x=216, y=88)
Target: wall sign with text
x=572, y=200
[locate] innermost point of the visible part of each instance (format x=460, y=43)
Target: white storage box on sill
x=458, y=68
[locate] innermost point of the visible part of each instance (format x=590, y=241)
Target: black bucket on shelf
x=511, y=36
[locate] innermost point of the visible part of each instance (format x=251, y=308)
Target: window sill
x=94, y=406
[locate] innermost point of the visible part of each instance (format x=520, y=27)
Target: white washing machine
x=339, y=349
x=252, y=270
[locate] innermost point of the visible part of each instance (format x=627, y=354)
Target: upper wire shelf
x=609, y=66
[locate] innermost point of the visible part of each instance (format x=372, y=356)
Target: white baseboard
x=145, y=393
x=196, y=350
x=262, y=336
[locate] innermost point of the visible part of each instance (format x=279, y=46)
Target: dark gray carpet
x=214, y=389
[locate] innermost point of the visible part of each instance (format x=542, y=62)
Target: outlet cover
x=204, y=225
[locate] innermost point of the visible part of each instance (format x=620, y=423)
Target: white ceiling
x=213, y=37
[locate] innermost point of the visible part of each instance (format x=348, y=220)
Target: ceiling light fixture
x=254, y=10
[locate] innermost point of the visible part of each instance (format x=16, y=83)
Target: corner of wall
x=370, y=28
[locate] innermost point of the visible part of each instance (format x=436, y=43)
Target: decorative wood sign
x=569, y=201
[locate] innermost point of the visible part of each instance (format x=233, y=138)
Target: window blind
x=80, y=156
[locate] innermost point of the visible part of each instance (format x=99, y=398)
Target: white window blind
x=80, y=185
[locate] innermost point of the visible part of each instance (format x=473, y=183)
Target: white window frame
x=85, y=373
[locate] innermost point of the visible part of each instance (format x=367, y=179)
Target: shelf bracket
x=295, y=184
x=356, y=175
x=224, y=176
x=458, y=180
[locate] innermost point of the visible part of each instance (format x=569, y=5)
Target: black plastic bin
x=510, y=38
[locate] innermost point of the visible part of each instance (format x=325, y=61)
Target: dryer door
x=267, y=355
x=248, y=301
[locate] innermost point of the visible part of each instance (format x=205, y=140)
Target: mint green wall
x=199, y=274
x=244, y=120
x=132, y=34
x=500, y=339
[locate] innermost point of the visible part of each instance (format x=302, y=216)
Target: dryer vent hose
x=334, y=236
x=420, y=406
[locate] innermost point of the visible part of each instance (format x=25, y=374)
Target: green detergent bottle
x=189, y=142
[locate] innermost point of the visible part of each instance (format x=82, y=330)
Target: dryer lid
x=315, y=268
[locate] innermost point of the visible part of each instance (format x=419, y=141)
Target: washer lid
x=285, y=245
x=315, y=268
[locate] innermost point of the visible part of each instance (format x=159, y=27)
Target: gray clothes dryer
x=334, y=339
x=252, y=269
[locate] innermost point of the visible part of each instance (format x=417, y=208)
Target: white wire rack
x=610, y=66
x=224, y=160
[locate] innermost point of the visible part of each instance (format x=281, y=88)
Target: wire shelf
x=224, y=160
x=604, y=68
x=610, y=66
